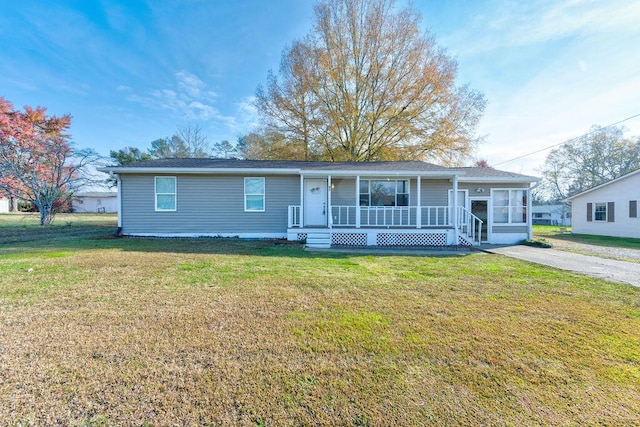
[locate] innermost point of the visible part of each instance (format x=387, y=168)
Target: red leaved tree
x=37, y=162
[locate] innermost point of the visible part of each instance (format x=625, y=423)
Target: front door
x=480, y=208
x=315, y=202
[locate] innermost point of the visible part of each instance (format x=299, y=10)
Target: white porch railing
x=470, y=225
x=343, y=215
x=387, y=216
x=436, y=216
x=294, y=219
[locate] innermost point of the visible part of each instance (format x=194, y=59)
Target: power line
x=567, y=141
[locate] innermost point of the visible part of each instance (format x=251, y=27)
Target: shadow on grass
x=100, y=239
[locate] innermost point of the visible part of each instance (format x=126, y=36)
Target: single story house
x=610, y=209
x=559, y=214
x=407, y=203
x=4, y=205
x=95, y=202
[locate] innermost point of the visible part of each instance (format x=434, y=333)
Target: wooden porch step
x=319, y=240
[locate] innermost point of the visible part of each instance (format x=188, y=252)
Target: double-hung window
x=254, y=191
x=510, y=206
x=166, y=192
x=600, y=212
x=384, y=193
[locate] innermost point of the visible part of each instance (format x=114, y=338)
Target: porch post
x=329, y=213
x=529, y=215
x=301, y=200
x=357, y=201
x=418, y=207
x=119, y=200
x=454, y=215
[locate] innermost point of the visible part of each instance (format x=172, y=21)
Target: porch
x=383, y=211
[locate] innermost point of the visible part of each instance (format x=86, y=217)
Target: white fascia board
x=200, y=171
x=276, y=171
x=500, y=180
x=620, y=178
x=378, y=173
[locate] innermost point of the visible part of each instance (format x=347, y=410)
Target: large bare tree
x=590, y=160
x=366, y=84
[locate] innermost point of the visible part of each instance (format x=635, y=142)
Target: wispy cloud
x=189, y=99
x=505, y=23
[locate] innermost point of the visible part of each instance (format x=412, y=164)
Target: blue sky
x=133, y=71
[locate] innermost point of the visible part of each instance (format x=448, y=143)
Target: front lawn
x=565, y=234
x=102, y=331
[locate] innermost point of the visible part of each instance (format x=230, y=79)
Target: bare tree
x=196, y=142
x=599, y=156
x=365, y=84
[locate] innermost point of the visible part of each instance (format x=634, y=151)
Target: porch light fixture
x=480, y=190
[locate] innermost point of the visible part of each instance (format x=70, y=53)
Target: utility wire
x=567, y=141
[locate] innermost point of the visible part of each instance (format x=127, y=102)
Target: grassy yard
x=102, y=331
x=555, y=232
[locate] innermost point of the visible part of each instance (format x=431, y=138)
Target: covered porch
x=382, y=210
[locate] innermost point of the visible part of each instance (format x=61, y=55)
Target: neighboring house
x=4, y=205
x=95, y=202
x=325, y=203
x=551, y=215
x=610, y=209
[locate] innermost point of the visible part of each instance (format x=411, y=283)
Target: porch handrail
x=342, y=215
x=436, y=216
x=293, y=217
x=470, y=225
x=387, y=216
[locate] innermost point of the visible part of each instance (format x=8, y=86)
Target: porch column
x=301, y=200
x=529, y=215
x=329, y=213
x=418, y=206
x=357, y=201
x=454, y=215
x=119, y=188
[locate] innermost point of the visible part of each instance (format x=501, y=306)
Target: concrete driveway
x=602, y=268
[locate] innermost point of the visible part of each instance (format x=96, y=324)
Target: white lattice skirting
x=349, y=239
x=411, y=239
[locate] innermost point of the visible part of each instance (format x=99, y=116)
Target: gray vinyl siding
x=207, y=204
x=505, y=229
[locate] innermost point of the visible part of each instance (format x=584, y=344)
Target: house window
x=165, y=193
x=254, y=194
x=384, y=193
x=510, y=206
x=600, y=212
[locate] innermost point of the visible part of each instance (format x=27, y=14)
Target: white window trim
x=175, y=194
x=606, y=211
x=263, y=194
x=408, y=193
x=509, y=222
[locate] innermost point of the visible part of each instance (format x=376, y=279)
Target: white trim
x=264, y=193
x=486, y=224
x=620, y=178
x=509, y=222
x=418, y=202
x=357, y=201
x=119, y=199
x=155, y=192
x=280, y=171
x=524, y=180
x=454, y=214
x=606, y=212
x=220, y=235
x=466, y=197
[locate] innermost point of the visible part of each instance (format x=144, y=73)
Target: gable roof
x=211, y=165
x=620, y=178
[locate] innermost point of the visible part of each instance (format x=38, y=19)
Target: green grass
x=131, y=331
x=553, y=231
